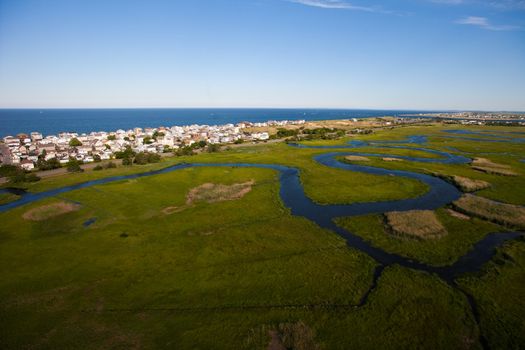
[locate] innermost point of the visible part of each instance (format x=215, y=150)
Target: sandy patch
x=501, y=213
x=50, y=210
x=422, y=224
x=489, y=167
x=212, y=193
x=357, y=159
x=389, y=159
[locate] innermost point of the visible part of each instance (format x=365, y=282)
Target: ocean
x=53, y=121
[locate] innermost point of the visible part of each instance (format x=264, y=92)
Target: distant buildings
x=25, y=150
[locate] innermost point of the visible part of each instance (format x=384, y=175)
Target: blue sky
x=416, y=54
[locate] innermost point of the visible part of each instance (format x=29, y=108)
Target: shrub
x=185, y=151
x=73, y=166
x=43, y=164
x=20, y=176
x=213, y=148
x=141, y=158
x=7, y=170
x=74, y=142
x=127, y=153
x=127, y=161
x=153, y=158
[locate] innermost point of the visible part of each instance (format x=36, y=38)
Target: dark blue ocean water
x=53, y=121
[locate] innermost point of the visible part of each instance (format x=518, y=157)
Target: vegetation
x=309, y=134
x=463, y=234
x=420, y=224
x=73, y=166
x=213, y=148
x=468, y=185
x=490, y=167
x=109, y=165
x=74, y=142
x=142, y=158
x=7, y=198
x=127, y=153
x=43, y=164
x=498, y=290
x=50, y=210
x=17, y=175
x=235, y=270
x=505, y=214
x=357, y=158
x=196, y=254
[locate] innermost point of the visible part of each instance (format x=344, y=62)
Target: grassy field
x=323, y=184
x=499, y=292
x=445, y=250
x=7, y=197
x=230, y=268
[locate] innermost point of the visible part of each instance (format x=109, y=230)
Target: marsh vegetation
x=236, y=270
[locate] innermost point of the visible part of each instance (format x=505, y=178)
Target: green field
x=155, y=270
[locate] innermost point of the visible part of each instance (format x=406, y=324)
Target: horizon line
x=269, y=108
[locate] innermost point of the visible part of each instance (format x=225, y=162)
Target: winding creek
x=292, y=194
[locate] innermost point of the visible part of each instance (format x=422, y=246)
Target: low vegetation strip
x=465, y=184
x=7, y=198
x=212, y=193
x=489, y=167
x=469, y=185
x=48, y=211
x=357, y=158
x=501, y=213
x=421, y=224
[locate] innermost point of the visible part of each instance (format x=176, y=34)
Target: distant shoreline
x=53, y=121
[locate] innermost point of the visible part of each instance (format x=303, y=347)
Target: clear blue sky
x=418, y=54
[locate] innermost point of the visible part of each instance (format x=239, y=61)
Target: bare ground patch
x=357, y=158
x=501, y=213
x=489, y=167
x=48, y=211
x=390, y=159
x=212, y=193
x=421, y=224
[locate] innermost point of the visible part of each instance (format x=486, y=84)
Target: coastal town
x=24, y=150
